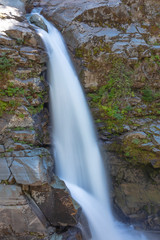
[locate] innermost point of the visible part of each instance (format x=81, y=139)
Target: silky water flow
x=77, y=154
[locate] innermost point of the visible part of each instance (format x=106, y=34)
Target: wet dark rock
x=70, y=234
x=38, y=21
x=63, y=210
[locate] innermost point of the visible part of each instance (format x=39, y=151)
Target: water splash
x=78, y=158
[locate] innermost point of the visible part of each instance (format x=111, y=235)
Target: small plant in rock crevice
x=5, y=63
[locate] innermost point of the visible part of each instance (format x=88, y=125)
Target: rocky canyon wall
x=115, y=46
x=34, y=203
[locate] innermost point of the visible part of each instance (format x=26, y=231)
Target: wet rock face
x=34, y=203
x=71, y=234
x=116, y=48
x=63, y=210
x=38, y=21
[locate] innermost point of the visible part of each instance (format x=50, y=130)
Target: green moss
x=22, y=128
x=109, y=97
x=5, y=182
x=135, y=153
x=25, y=76
x=37, y=109
x=136, y=141
x=6, y=67
x=21, y=115
x=8, y=107
x=19, y=41
x=10, y=150
x=3, y=106
x=5, y=63
x=116, y=85
x=11, y=91
x=147, y=95
x=100, y=46
x=22, y=142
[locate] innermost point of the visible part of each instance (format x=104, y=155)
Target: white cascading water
x=78, y=158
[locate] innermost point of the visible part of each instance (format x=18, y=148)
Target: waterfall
x=77, y=155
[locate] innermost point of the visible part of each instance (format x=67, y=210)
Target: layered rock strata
x=34, y=203
x=116, y=49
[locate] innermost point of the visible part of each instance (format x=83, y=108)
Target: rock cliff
x=116, y=49
x=34, y=203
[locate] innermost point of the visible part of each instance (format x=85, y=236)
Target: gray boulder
x=16, y=214
x=32, y=170
x=56, y=203
x=38, y=21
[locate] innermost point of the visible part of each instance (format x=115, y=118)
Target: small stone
x=131, y=29
x=20, y=146
x=155, y=128
x=90, y=79
x=1, y=148
x=141, y=30
x=4, y=170
x=111, y=33
x=140, y=135
x=16, y=121
x=156, y=150
x=26, y=136
x=147, y=146
x=137, y=42
x=126, y=128
x=134, y=101
x=119, y=46
x=51, y=230
x=156, y=47
x=35, y=152
x=28, y=50
x=71, y=233
x=156, y=139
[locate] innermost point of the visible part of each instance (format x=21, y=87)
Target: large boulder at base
x=56, y=203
